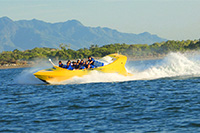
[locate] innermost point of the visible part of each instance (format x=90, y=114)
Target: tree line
x=134, y=50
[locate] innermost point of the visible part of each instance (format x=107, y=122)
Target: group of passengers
x=80, y=64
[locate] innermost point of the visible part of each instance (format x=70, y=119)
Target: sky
x=169, y=19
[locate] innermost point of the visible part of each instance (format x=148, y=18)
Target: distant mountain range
x=28, y=34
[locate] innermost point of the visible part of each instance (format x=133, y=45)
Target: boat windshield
x=106, y=60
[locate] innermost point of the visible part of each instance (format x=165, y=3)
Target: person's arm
x=92, y=60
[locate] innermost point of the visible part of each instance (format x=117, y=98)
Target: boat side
x=57, y=74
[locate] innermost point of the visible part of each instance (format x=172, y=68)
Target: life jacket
x=68, y=67
x=77, y=67
x=64, y=66
x=60, y=65
x=80, y=64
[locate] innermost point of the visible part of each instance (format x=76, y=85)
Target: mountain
x=28, y=34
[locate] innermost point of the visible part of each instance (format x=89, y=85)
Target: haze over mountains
x=28, y=34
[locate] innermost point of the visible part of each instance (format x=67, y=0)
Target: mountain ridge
x=28, y=34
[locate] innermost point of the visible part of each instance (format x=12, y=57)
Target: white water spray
x=27, y=77
x=174, y=64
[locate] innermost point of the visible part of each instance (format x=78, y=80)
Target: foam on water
x=174, y=64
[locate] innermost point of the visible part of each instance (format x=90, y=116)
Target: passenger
x=91, y=60
x=60, y=64
x=82, y=63
x=69, y=62
x=87, y=65
x=77, y=67
x=73, y=64
x=65, y=66
x=78, y=62
x=68, y=66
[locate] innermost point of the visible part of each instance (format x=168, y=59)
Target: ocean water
x=162, y=96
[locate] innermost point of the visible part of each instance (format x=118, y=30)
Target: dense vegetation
x=135, y=51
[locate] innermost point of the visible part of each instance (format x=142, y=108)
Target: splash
x=173, y=65
x=27, y=77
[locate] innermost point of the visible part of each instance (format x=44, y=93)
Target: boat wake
x=173, y=65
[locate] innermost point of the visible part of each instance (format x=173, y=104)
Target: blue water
x=167, y=102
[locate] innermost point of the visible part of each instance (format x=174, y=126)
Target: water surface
x=162, y=96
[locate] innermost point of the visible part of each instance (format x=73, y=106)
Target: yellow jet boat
x=114, y=63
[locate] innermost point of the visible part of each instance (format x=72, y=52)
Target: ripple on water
x=161, y=105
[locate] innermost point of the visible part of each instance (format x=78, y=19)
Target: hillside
x=28, y=34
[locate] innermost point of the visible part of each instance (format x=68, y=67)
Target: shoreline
x=17, y=66
x=128, y=59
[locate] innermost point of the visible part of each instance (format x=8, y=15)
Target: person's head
x=74, y=63
x=82, y=61
x=68, y=63
x=78, y=61
x=60, y=62
x=89, y=57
